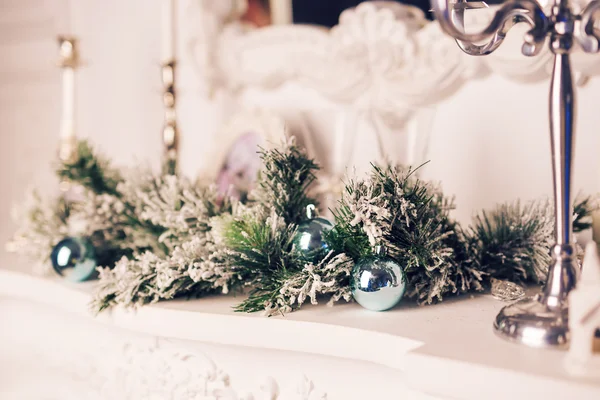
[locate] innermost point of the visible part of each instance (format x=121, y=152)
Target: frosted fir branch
x=513, y=241
x=261, y=245
x=582, y=211
x=330, y=277
x=260, y=242
x=284, y=181
x=179, y=207
x=192, y=263
x=43, y=222
x=90, y=170
x=370, y=206
x=196, y=268
x=411, y=218
x=260, y=235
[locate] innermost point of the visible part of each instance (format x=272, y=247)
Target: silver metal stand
x=541, y=320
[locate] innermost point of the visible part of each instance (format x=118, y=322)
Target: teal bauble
x=309, y=241
x=74, y=259
x=378, y=282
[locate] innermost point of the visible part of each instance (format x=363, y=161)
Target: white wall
x=29, y=100
x=491, y=143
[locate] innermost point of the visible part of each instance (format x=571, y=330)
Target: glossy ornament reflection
x=74, y=259
x=378, y=282
x=309, y=241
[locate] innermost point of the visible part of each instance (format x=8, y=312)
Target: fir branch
x=513, y=241
x=330, y=277
x=582, y=212
x=43, y=222
x=262, y=253
x=91, y=171
x=284, y=181
x=261, y=240
x=191, y=263
x=182, y=209
x=408, y=216
x=194, y=269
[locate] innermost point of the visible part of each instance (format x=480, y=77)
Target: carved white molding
x=150, y=368
x=382, y=57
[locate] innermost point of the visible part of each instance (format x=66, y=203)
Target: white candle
x=169, y=28
x=67, y=129
x=281, y=12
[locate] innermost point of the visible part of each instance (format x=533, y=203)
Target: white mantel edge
x=234, y=329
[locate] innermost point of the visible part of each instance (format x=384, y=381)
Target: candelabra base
x=532, y=322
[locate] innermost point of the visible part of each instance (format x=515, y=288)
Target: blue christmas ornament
x=74, y=259
x=378, y=282
x=309, y=241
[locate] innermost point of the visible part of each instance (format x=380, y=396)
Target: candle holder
x=170, y=133
x=541, y=320
x=69, y=62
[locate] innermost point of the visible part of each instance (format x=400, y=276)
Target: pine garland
x=163, y=236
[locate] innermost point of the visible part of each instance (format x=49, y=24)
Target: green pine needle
x=284, y=181
x=90, y=171
x=410, y=217
x=582, y=213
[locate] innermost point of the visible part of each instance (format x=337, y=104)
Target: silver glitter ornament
x=74, y=259
x=378, y=282
x=309, y=242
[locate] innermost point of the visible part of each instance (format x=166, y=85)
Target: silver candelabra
x=541, y=320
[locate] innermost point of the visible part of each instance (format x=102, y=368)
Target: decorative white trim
x=141, y=367
x=382, y=57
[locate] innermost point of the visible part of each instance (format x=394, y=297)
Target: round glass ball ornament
x=378, y=282
x=309, y=241
x=74, y=259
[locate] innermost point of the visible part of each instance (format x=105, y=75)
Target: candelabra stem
x=543, y=320
x=170, y=133
x=563, y=273
x=562, y=119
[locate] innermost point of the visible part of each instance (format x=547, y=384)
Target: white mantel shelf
x=447, y=349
